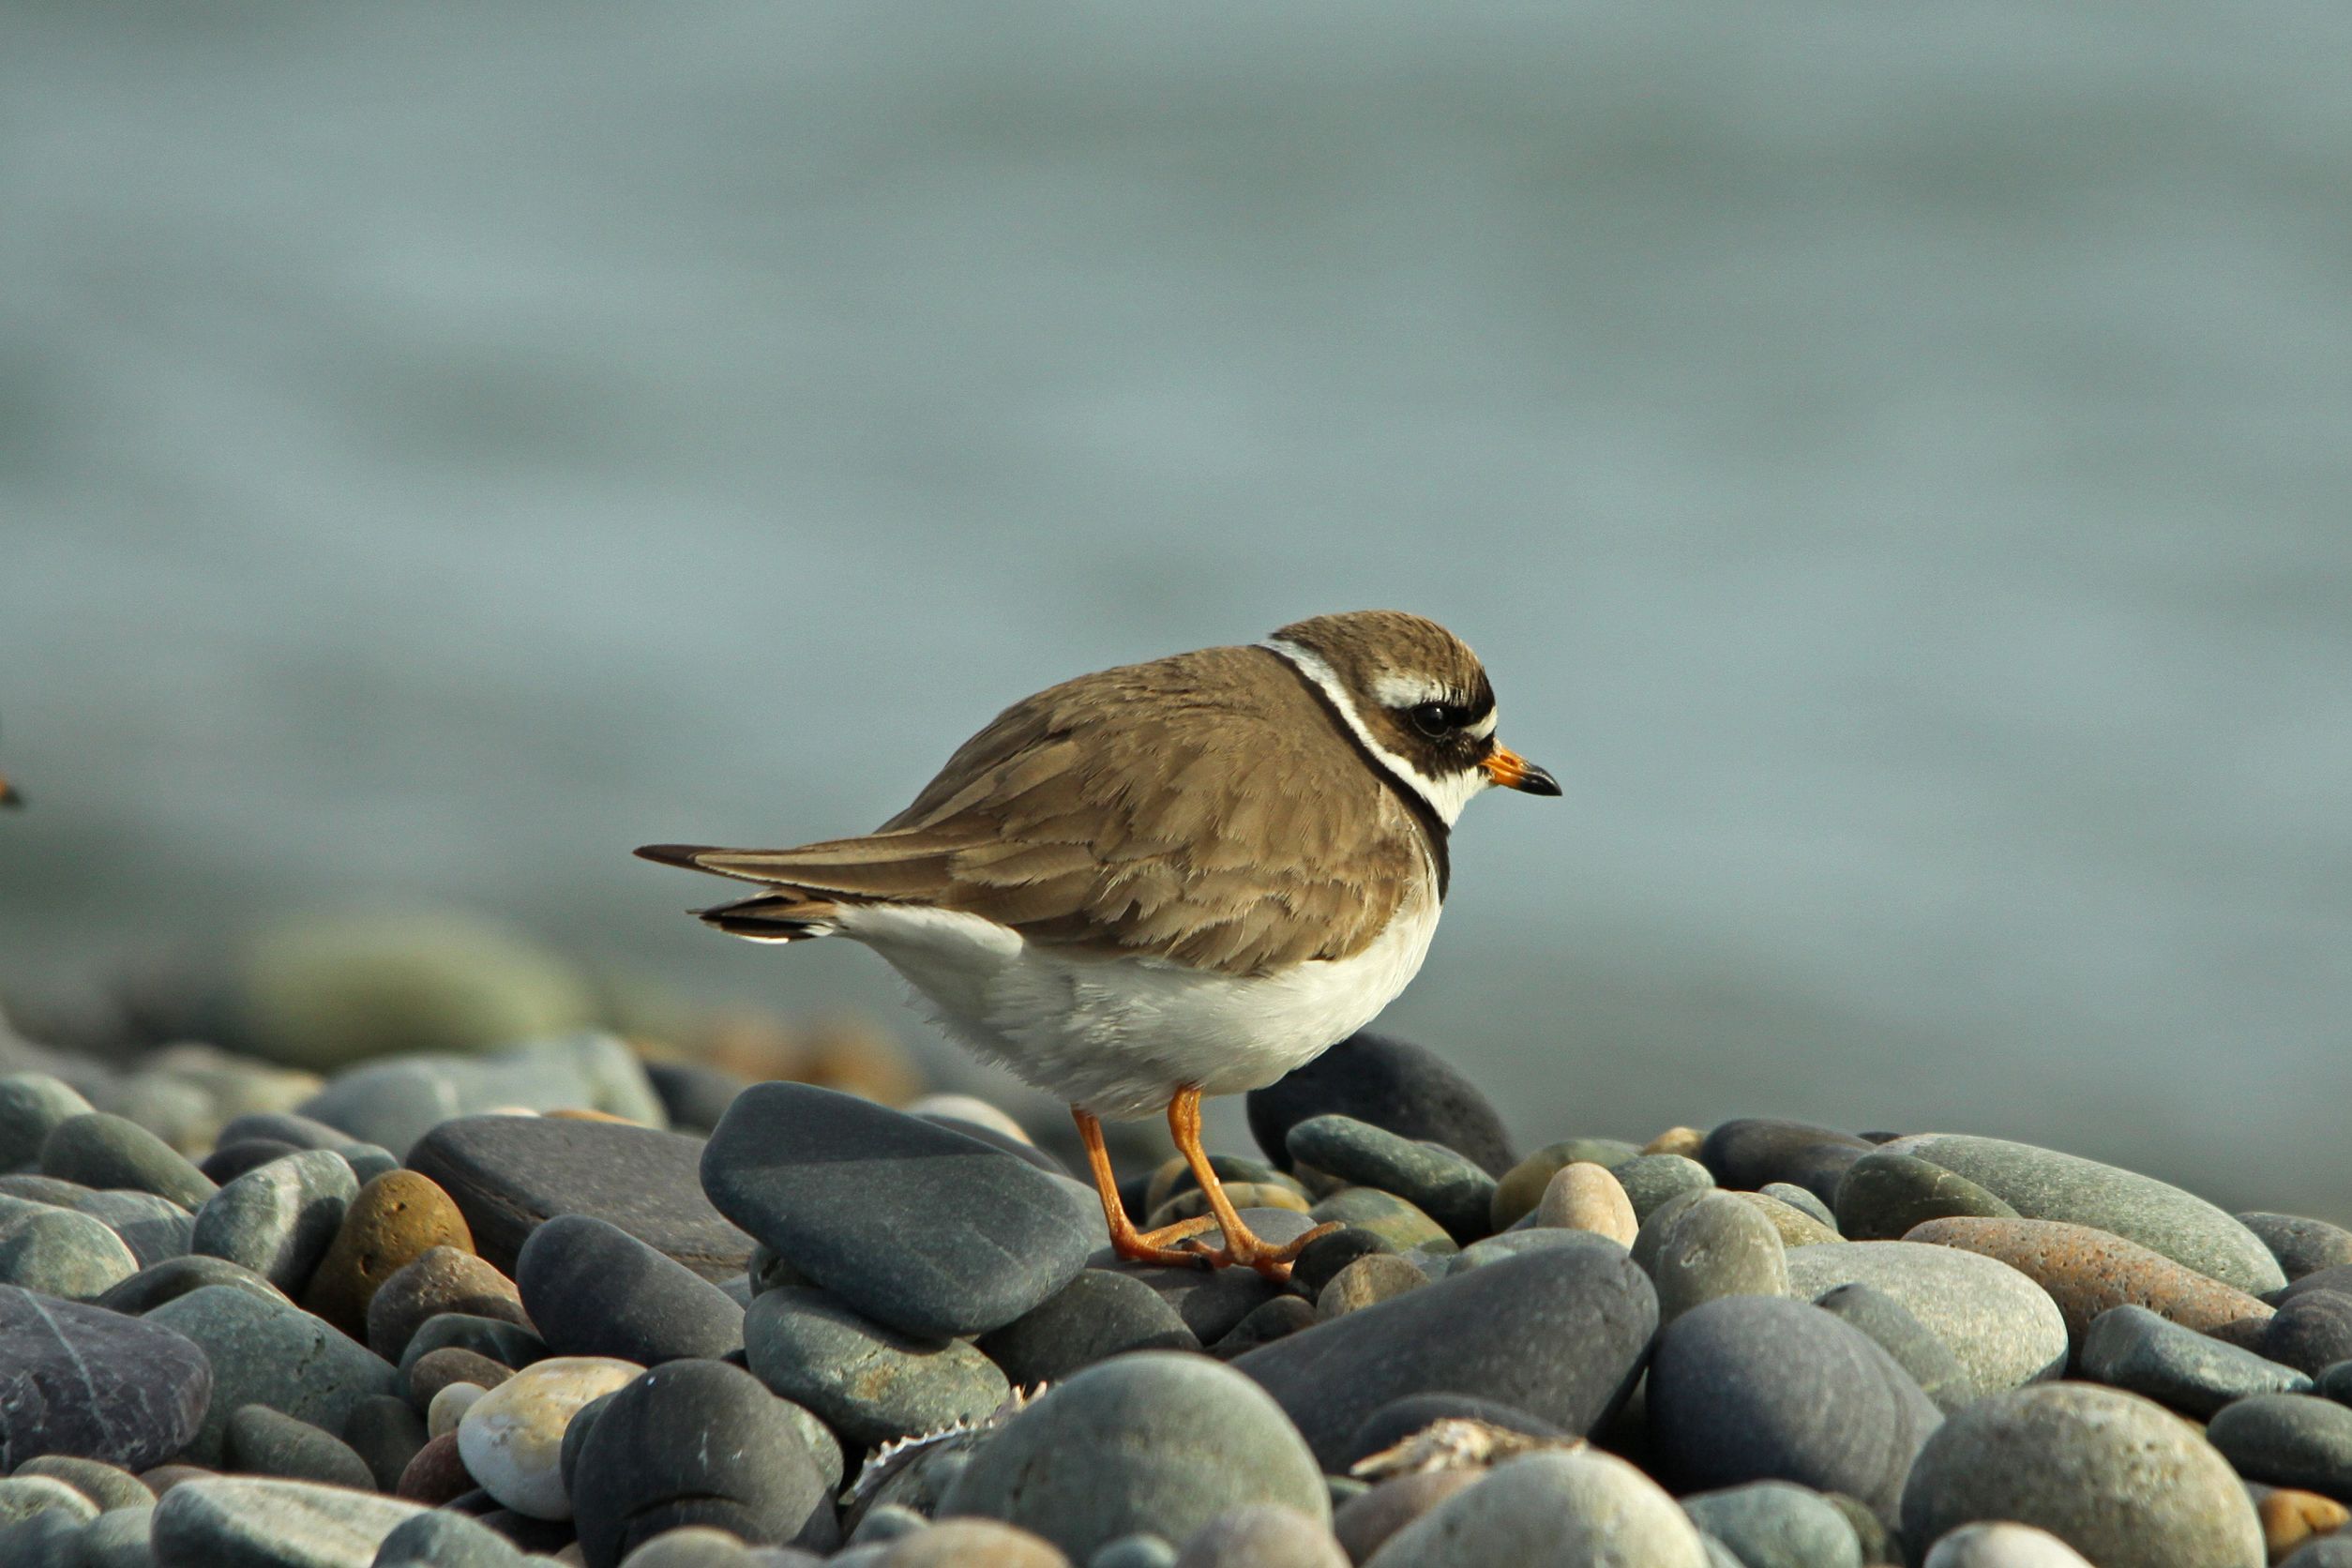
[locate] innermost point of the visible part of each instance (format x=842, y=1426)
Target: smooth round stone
x=1172, y=1178
x=2003, y=1545
x=1449, y=1187
x=2005, y=1329
x=698, y=1442
x=697, y=1546
x=24, y=1496
x=385, y=1433
x=2086, y=1271
x=1558, y=1333
x=1192, y=1202
x=267, y=1353
x=1720, y=1246
x=1649, y=1180
x=108, y=1486
x=1096, y=1315
x=1884, y=1194
x=1794, y=1226
x=248, y=1522
x=1392, y=1083
x=1325, y=1256
x=1521, y=1187
x=2133, y=1349
x=43, y=1189
x=1264, y=1535
x=95, y=1384
x=2302, y=1246
x=442, y=1539
x=2338, y=1278
x=1581, y=1507
x=1391, y=1218
x=975, y=1237
x=1772, y=1524
x=262, y=1441
x=509, y=1174
x=437, y=1369
x=1586, y=1197
x=1752, y=1153
x=696, y=1094
x=2120, y=1478
x=114, y=1540
x=1494, y=1249
x=102, y=1150
x=509, y=1344
x=1657, y=1225
x=154, y=1229
x=1804, y=1200
x=1277, y=1319
x=1211, y=1301
x=1914, y=1347
x=2291, y=1518
x=228, y=1161
x=869, y=1381
x=396, y=1218
x=1158, y=1442
x=594, y=1289
x=1364, y=1523
x=435, y=1475
x=1140, y=1551
x=446, y=1408
x=512, y=1437
x=1759, y=1388
x=2288, y=1440
x=970, y=1544
x=1368, y=1281
x=2311, y=1332
x=30, y=1107
x=158, y=1282
x=278, y=1219
x=57, y=1252
x=2045, y=1184
x=440, y=1280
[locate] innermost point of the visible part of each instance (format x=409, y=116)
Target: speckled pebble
x=869, y=1381
x=2003, y=1328
x=2087, y=1271
x=2131, y=1347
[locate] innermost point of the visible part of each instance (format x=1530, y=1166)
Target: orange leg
x=1141, y=1246
x=1240, y=1245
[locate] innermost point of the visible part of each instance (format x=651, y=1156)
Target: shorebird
x=1168, y=880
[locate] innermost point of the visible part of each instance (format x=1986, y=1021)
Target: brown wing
x=1202, y=808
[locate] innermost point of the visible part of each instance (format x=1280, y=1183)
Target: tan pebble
x=512, y=1438
x=2290, y=1518
x=1367, y=1520
x=1586, y=1197
x=1795, y=1227
x=397, y=1218
x=448, y=1407
x=584, y=1113
x=2086, y=1271
x=1684, y=1141
x=972, y=1543
x=1375, y=1277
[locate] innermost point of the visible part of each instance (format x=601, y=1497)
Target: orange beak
x=1511, y=771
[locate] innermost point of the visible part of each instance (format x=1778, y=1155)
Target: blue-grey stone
x=158, y=1282
x=1760, y=1388
x=869, y=1383
x=60, y=1252
x=1581, y=1507
x=1096, y=1315
x=2288, y=1439
x=2120, y=1478
x=31, y=1106
x=2311, y=1332
x=267, y=1355
x=1752, y=1153
x=1395, y=1221
x=100, y=1151
x=1804, y=1200
x=1158, y=1442
x=1721, y=1245
x=1884, y=1194
x=397, y=1102
x=261, y=1441
x=2133, y=1349
x=594, y=1289
x=1515, y=1243
x=1649, y=1180
x=443, y=1539
x=1559, y=1334
x=1412, y=1090
x=924, y=1229
x=1449, y=1187
x=508, y=1344
x=95, y=1384
x=1914, y=1346
x=154, y=1229
x=2043, y=1183
x=1775, y=1524
x=2302, y=1246
x=278, y=1219
x=253, y=1522
x=2005, y=1329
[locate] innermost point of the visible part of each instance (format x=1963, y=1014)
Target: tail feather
x=781, y=914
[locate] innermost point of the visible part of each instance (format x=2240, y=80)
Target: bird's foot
x=1176, y=1245
x=1247, y=1250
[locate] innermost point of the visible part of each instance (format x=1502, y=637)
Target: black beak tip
x=1538, y=783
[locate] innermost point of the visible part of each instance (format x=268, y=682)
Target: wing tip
x=685, y=856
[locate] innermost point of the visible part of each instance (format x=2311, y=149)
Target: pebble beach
x=553, y=1301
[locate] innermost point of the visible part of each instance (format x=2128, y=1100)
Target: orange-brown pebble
x=1586, y=1197
x=2086, y=1271
x=1684, y=1141
x=2290, y=1518
x=1368, y=1519
x=437, y=1474
x=397, y=1218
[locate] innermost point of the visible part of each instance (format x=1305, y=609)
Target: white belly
x=1120, y=1036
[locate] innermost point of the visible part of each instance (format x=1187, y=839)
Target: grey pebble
x=1884, y=1193
x=1999, y=1543
x=1581, y=1507
x=1777, y=1524
x=108, y=1486
x=2288, y=1439
x=30, y=1107
x=1096, y=1315
x=1446, y=1186
x=2302, y=1246
x=2003, y=1328
x=248, y=1522
x=1649, y=1180
x=154, y=1229
x=278, y=1356
x=2311, y=1332
x=2133, y=1349
x=1804, y=1200
x=868, y=1381
x=1140, y=1551
x=57, y=1252
x=446, y=1539
x=158, y=1282
x=1263, y=1535
x=102, y=1150
x=278, y=1219
x=1721, y=1245
x=1915, y=1348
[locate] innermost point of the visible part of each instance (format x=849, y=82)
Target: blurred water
x=1895, y=464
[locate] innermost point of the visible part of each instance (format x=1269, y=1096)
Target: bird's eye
x=1433, y=720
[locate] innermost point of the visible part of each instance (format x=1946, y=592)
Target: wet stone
x=267, y=1353
x=95, y=1384
x=507, y=1174
x=2133, y=1349
x=101, y=1151
x=2120, y=1478
x=1392, y=1083
x=1774, y=1524
x=1098, y=1315
x=869, y=1381
x=278, y=1218
x=2045, y=1184
x=1448, y=1187
x=2288, y=1440
x=977, y=1237
x=1884, y=1194
x=594, y=1289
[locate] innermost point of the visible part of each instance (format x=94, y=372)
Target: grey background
x=1894, y=463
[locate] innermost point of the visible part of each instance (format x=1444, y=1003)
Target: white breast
x=1120, y=1036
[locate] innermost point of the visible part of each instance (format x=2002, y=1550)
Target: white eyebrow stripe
x=1393, y=690
x=1484, y=728
x=1444, y=796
